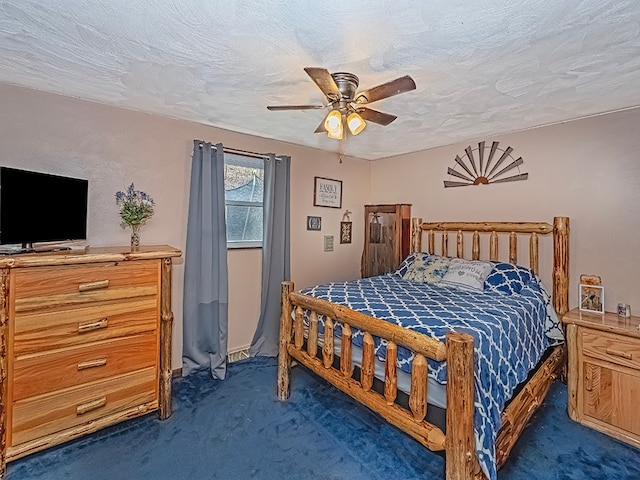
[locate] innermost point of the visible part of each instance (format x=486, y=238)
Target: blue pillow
x=507, y=278
x=407, y=262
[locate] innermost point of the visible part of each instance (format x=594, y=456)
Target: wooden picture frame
x=327, y=192
x=591, y=298
x=345, y=232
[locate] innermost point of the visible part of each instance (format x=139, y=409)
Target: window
x=243, y=190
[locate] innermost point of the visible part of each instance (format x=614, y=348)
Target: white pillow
x=469, y=274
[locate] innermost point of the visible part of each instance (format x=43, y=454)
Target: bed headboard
x=559, y=229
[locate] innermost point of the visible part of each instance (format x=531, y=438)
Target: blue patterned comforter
x=508, y=331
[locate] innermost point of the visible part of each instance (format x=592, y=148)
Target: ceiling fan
x=347, y=104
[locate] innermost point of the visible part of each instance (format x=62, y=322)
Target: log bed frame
x=457, y=350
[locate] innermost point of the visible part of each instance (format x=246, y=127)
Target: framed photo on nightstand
x=591, y=298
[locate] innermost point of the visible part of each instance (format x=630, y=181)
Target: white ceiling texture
x=482, y=67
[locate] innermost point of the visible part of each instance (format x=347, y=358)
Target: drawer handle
x=98, y=362
x=618, y=353
x=91, y=326
x=90, y=406
x=87, y=287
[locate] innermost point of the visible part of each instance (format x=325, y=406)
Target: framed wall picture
x=327, y=193
x=314, y=223
x=591, y=298
x=345, y=232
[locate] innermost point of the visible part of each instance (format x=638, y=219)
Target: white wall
x=588, y=170
x=111, y=147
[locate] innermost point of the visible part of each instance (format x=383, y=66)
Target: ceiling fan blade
x=325, y=82
x=375, y=116
x=321, y=128
x=389, y=89
x=294, y=107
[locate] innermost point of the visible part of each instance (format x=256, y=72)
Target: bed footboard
x=458, y=352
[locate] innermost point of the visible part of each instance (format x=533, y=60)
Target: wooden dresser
x=604, y=373
x=86, y=343
x=387, y=238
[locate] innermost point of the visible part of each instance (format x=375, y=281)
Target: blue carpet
x=236, y=429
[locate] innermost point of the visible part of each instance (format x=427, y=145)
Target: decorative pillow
x=427, y=269
x=469, y=274
x=507, y=278
x=406, y=263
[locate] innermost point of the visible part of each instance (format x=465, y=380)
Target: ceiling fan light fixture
x=336, y=133
x=355, y=123
x=333, y=122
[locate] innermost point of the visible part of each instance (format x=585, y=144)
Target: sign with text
x=327, y=193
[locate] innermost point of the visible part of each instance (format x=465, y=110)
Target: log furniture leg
x=461, y=462
x=166, y=328
x=284, y=359
x=4, y=315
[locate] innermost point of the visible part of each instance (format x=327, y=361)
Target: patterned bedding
x=511, y=333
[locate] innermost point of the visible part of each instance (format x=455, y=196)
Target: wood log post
x=390, y=374
x=345, y=351
x=4, y=316
x=298, y=328
x=513, y=248
x=459, y=244
x=493, y=246
x=572, y=375
x=284, y=359
x=561, y=265
x=418, y=393
x=461, y=461
x=368, y=362
x=432, y=242
x=166, y=329
x=327, y=347
x=533, y=252
x=312, y=336
x=416, y=235
x=445, y=244
x=475, y=249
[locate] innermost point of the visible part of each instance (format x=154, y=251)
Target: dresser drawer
x=40, y=330
x=48, y=287
x=46, y=414
x=78, y=365
x=612, y=348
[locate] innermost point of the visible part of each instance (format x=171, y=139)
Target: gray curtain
x=205, y=312
x=275, y=254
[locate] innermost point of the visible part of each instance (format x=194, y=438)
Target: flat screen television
x=40, y=207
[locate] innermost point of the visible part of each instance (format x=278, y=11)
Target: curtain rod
x=246, y=153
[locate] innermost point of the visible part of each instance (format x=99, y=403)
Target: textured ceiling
x=482, y=67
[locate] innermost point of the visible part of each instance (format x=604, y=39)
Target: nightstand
x=603, y=379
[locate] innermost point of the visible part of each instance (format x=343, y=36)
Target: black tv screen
x=39, y=207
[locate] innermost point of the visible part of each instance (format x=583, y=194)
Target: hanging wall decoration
x=479, y=166
x=314, y=223
x=345, y=227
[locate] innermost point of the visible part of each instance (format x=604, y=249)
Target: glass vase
x=135, y=237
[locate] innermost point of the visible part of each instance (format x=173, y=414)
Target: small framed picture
x=327, y=193
x=591, y=298
x=314, y=223
x=345, y=232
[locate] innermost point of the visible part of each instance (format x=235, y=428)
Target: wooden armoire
x=387, y=238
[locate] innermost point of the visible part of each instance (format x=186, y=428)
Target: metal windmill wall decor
x=479, y=168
